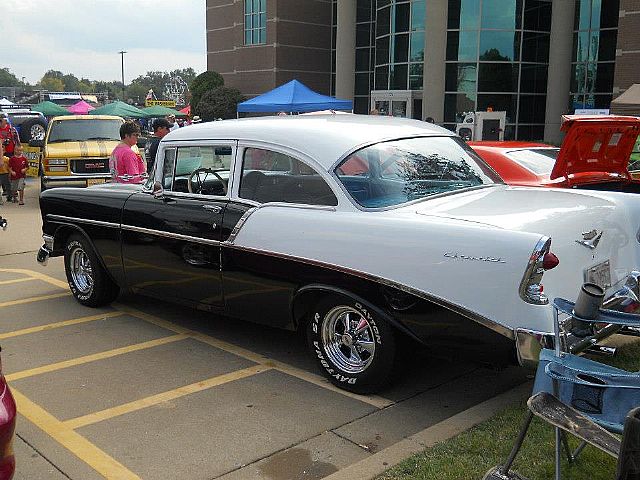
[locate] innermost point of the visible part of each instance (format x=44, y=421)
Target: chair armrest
x=553, y=411
x=592, y=378
x=605, y=316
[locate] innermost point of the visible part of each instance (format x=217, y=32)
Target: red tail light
x=549, y=261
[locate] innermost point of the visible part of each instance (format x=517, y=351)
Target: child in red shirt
x=18, y=165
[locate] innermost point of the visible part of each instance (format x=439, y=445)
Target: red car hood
x=595, y=144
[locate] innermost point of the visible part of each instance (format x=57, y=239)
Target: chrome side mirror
x=158, y=191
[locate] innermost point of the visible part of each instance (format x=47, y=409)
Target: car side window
x=202, y=170
x=269, y=176
x=168, y=167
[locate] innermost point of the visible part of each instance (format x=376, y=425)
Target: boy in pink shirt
x=126, y=166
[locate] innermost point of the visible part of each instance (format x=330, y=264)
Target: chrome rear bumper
x=45, y=250
x=625, y=299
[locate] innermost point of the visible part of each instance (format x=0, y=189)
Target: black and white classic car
x=362, y=230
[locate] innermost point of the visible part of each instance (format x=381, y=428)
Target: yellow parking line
x=375, y=400
x=16, y=280
x=72, y=441
x=38, y=275
x=33, y=299
x=91, y=358
x=163, y=397
x=65, y=323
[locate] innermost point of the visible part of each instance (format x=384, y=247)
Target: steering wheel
x=199, y=176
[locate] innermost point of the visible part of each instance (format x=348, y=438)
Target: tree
x=221, y=102
x=8, y=79
x=203, y=83
x=52, y=84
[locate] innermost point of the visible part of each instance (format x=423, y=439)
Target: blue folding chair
x=583, y=397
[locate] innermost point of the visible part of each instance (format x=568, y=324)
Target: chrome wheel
x=348, y=339
x=81, y=270
x=37, y=132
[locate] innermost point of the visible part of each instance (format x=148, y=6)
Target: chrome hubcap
x=81, y=271
x=348, y=339
x=37, y=132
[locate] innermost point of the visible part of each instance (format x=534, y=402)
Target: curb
x=379, y=462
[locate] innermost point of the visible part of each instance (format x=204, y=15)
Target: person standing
x=172, y=120
x=18, y=165
x=125, y=165
x=160, y=128
x=8, y=135
x=4, y=174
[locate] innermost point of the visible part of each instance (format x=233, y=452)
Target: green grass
x=471, y=454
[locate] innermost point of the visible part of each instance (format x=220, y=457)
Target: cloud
x=84, y=38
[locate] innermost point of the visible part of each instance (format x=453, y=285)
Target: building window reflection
x=255, y=22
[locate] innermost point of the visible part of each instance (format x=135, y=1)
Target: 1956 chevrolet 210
x=360, y=229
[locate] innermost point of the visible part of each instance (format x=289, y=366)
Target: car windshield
x=399, y=171
x=539, y=160
x=83, y=130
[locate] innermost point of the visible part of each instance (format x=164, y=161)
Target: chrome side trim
x=486, y=322
x=63, y=218
x=238, y=226
x=174, y=236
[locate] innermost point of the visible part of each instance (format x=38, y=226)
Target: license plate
x=600, y=274
x=94, y=181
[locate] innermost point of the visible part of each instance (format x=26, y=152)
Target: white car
x=360, y=229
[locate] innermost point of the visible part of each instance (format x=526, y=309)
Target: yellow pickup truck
x=76, y=150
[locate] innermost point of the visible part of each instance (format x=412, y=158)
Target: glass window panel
x=362, y=84
x=532, y=108
x=607, y=47
x=247, y=37
x=248, y=22
x=416, y=53
x=581, y=46
x=537, y=15
x=604, y=78
x=498, y=77
x=534, y=133
x=499, y=103
x=463, y=14
x=363, y=11
x=401, y=48
x=610, y=14
x=382, y=3
x=263, y=35
x=462, y=46
x=263, y=5
x=602, y=101
x=595, y=14
x=417, y=15
x=590, y=78
x=401, y=14
x=415, y=76
x=578, y=77
x=594, y=44
x=247, y=6
x=363, y=34
x=533, y=78
x=256, y=6
x=382, y=78
x=509, y=132
x=362, y=59
x=501, y=14
x=361, y=105
x=583, y=14
x=263, y=20
x=455, y=105
x=499, y=46
x=535, y=47
x=256, y=36
x=461, y=77
x=416, y=109
x=382, y=22
x=382, y=51
x=398, y=75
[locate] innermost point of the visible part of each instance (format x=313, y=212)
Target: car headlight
x=57, y=161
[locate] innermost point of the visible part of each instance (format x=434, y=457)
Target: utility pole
x=122, y=52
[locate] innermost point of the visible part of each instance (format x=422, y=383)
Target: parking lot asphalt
x=144, y=389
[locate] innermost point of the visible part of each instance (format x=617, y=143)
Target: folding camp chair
x=582, y=397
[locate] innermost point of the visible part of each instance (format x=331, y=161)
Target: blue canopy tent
x=293, y=97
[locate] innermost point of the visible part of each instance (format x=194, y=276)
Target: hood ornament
x=590, y=239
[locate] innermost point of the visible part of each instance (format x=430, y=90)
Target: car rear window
x=539, y=160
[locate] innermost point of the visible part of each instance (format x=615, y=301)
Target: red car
x=594, y=154
x=7, y=427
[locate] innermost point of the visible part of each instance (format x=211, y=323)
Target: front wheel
x=88, y=281
x=353, y=346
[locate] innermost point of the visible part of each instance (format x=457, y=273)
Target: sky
x=83, y=37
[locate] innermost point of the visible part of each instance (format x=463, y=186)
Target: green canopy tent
x=50, y=109
x=120, y=109
x=160, y=111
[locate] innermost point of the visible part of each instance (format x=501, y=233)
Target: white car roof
x=324, y=138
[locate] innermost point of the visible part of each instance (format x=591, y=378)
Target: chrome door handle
x=213, y=208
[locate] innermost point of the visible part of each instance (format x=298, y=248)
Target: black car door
x=171, y=241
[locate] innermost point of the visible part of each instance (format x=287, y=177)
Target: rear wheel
x=353, y=346
x=88, y=281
